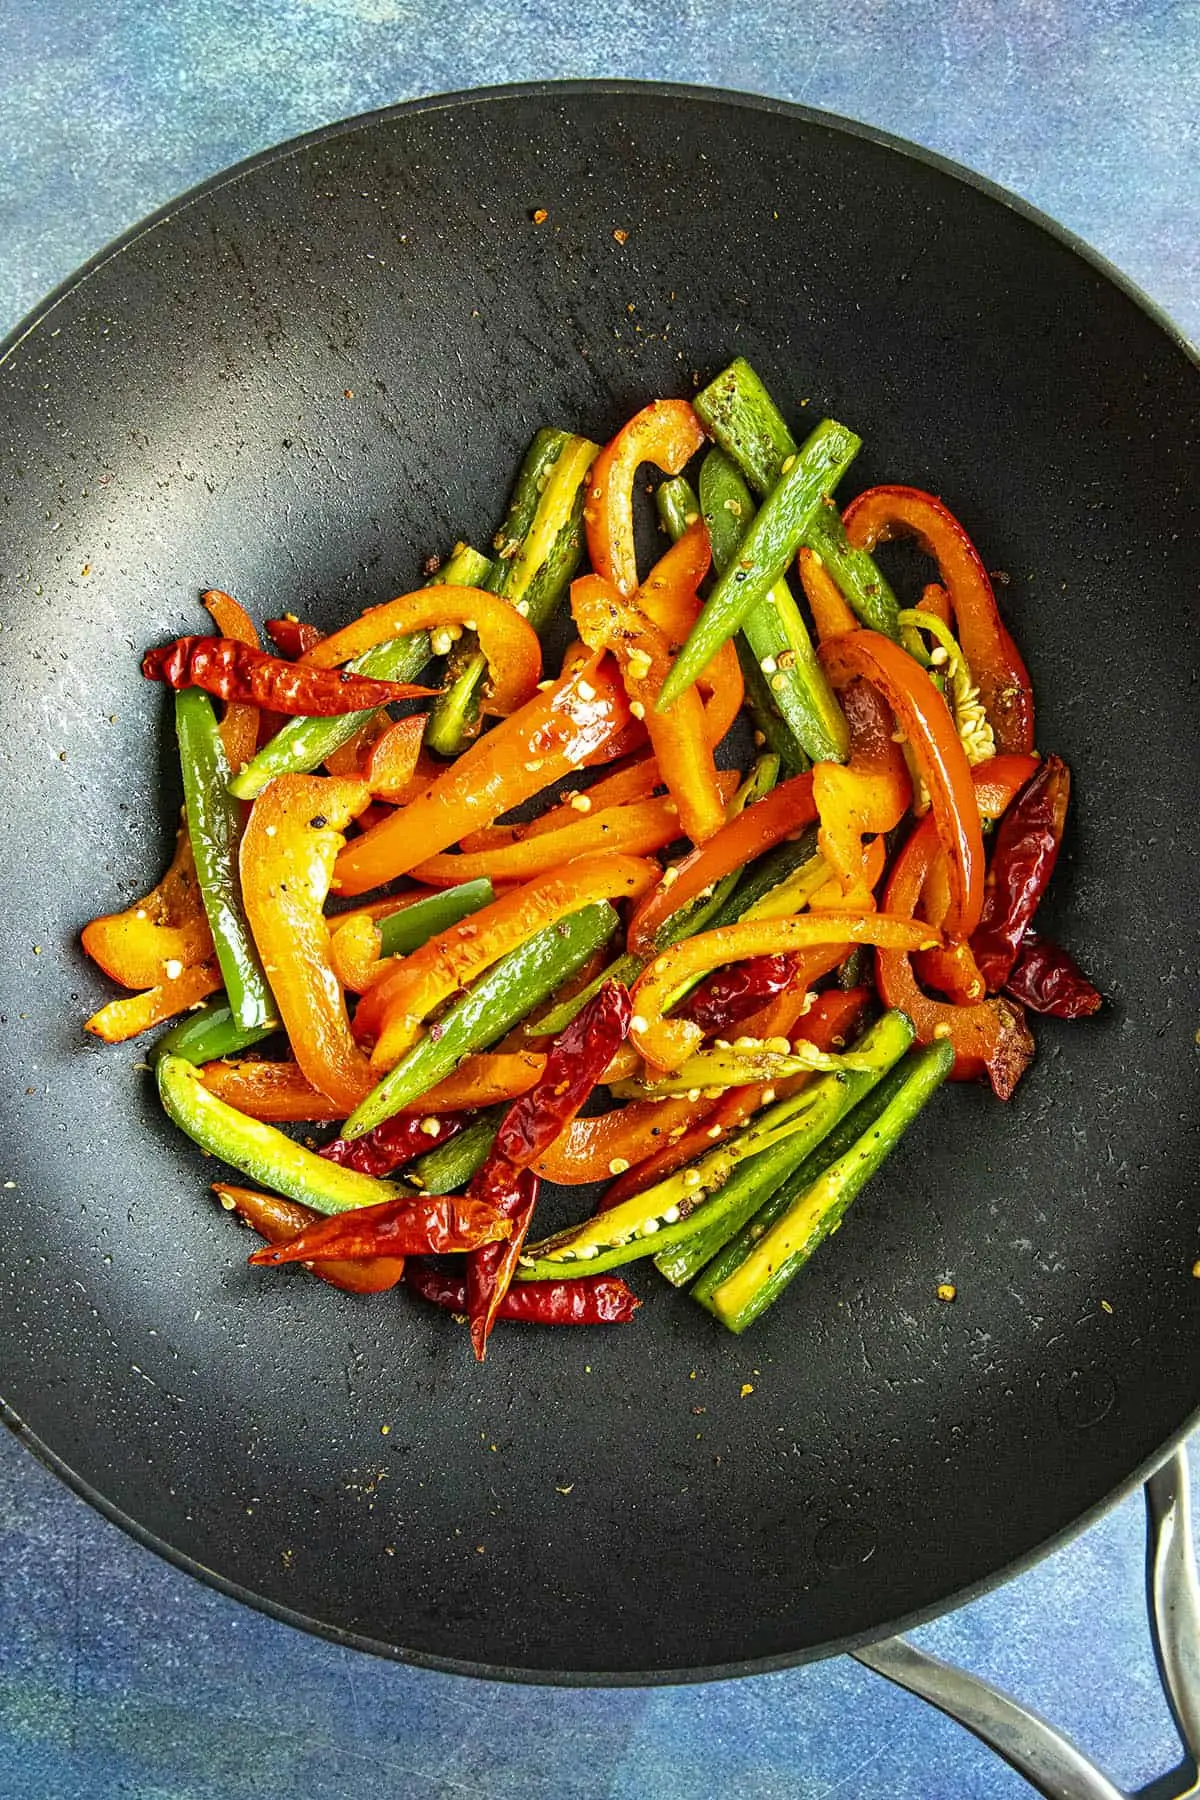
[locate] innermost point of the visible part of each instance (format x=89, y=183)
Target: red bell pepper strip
x=869, y=794
x=549, y=738
x=607, y=621
x=666, y=433
x=278, y=1220
x=731, y=995
x=995, y=662
x=831, y=613
x=1046, y=979
x=507, y=639
x=158, y=936
x=420, y=1225
x=233, y=671
x=407, y=991
x=134, y=1013
x=782, y=813
x=1022, y=862
x=292, y=638
x=279, y=1093
x=240, y=723
x=286, y=860
x=925, y=719
x=396, y=1142
x=586, y=1300
x=667, y=1043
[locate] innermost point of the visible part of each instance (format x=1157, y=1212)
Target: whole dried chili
x=587, y=1300
x=1047, y=979
x=423, y=1225
x=491, y=1269
x=394, y=1143
x=277, y=1220
x=1022, y=862
x=736, y=993
x=293, y=638
x=235, y=671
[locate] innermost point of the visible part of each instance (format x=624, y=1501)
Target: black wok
x=298, y=383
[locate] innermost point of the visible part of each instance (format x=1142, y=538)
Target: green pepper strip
x=210, y=1033
x=816, y=1202
x=260, y=1151
x=765, y=551
x=451, y=1165
x=303, y=744
x=881, y=1048
x=402, y=932
x=214, y=826
x=677, y=504
x=498, y=1001
x=749, y=427
x=774, y=628
x=538, y=550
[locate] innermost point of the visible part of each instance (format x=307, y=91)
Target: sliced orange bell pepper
x=348, y=758
x=393, y=767
x=606, y=621
x=291, y=839
x=161, y=934
x=598, y=1148
x=669, y=597
x=637, y=780
x=782, y=813
x=831, y=613
x=408, y=988
x=926, y=720
x=506, y=638
x=280, y=1092
x=278, y=1220
x=552, y=735
x=666, y=433
x=240, y=720
x=667, y=1043
x=870, y=793
x=882, y=513
x=135, y=1013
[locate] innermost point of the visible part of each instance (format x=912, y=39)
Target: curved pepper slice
x=666, y=433
x=420, y=1225
x=780, y=814
x=585, y=1300
x=870, y=793
x=393, y=766
x=606, y=621
x=280, y=1093
x=882, y=513
x=831, y=613
x=669, y=596
x=508, y=640
x=395, y=1006
x=161, y=934
x=554, y=734
x=291, y=839
x=134, y=1013
x=925, y=719
x=234, y=671
x=278, y=1220
x=597, y=1148
x=667, y=1043
x=239, y=725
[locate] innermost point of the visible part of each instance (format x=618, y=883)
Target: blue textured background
x=121, y=1677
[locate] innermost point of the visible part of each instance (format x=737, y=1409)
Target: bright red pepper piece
x=1022, y=862
x=390, y=1145
x=1047, y=979
x=586, y=1300
x=235, y=671
x=425, y=1225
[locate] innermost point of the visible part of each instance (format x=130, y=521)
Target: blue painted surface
x=118, y=1675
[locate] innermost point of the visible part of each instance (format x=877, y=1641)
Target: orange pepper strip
x=595, y=1149
x=409, y=987
x=666, y=433
x=935, y=600
x=637, y=780
x=167, y=926
x=882, y=513
x=870, y=793
x=349, y=757
x=677, y=736
x=278, y=1220
x=667, y=1043
x=135, y=1013
x=240, y=721
x=391, y=761
x=550, y=737
x=831, y=614
x=780, y=814
x=926, y=720
x=288, y=848
x=281, y=1093
x=827, y=1023
x=668, y=596
x=506, y=638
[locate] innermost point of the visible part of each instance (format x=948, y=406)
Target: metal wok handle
x=1051, y=1764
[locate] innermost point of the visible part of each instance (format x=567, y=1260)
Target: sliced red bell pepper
x=240, y=721
x=278, y=1220
x=158, y=936
x=551, y=736
x=995, y=662
x=507, y=639
x=924, y=717
x=292, y=638
x=279, y=1092
x=286, y=860
x=869, y=794
x=423, y=1225
x=394, y=767
x=666, y=433
x=606, y=621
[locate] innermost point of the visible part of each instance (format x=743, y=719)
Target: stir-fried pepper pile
x=770, y=969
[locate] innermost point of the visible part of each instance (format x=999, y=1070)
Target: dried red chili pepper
x=587, y=1300
x=390, y=1145
x=420, y=1226
x=235, y=671
x=1047, y=979
x=293, y=638
x=736, y=993
x=1022, y=862
x=490, y=1270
